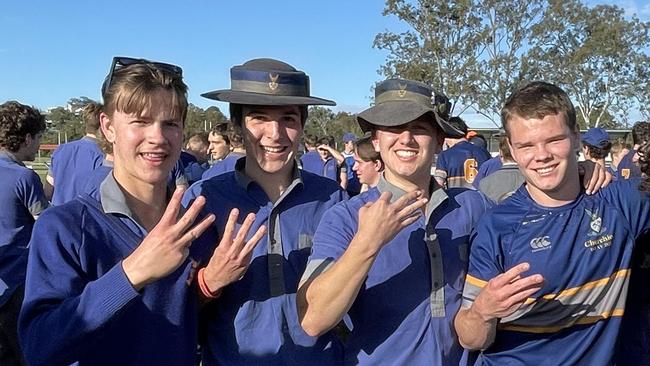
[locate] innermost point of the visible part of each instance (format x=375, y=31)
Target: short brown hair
x=504, y=149
x=16, y=122
x=366, y=150
x=133, y=86
x=90, y=115
x=538, y=100
x=640, y=132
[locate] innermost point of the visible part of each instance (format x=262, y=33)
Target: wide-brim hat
x=266, y=81
x=400, y=101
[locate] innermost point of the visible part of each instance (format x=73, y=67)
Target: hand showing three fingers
x=167, y=245
x=381, y=220
x=233, y=255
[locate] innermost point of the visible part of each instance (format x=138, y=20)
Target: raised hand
x=595, y=176
x=232, y=256
x=167, y=245
x=505, y=293
x=381, y=220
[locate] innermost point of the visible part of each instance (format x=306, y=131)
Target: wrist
x=205, y=288
x=137, y=280
x=478, y=315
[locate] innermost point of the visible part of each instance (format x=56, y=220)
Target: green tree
x=471, y=50
x=440, y=47
x=595, y=54
x=65, y=125
x=195, y=120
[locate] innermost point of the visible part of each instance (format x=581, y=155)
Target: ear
x=375, y=140
x=512, y=151
x=107, y=126
x=378, y=165
x=440, y=140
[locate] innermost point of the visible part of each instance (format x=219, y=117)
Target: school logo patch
x=595, y=223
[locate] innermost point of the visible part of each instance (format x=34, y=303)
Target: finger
x=197, y=230
x=413, y=208
x=522, y=296
x=385, y=196
x=411, y=219
x=508, y=276
x=190, y=215
x=239, y=241
x=524, y=283
x=173, y=207
x=229, y=230
x=253, y=241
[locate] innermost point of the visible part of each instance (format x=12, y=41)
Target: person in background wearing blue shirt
x=310, y=161
x=196, y=155
x=628, y=167
x=353, y=186
x=22, y=199
x=73, y=162
x=549, y=267
x=219, y=142
x=459, y=164
x=393, y=258
x=332, y=162
x=110, y=273
x=237, y=151
x=367, y=163
x=251, y=316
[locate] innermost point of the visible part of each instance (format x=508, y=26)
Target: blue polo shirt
x=583, y=250
x=354, y=186
x=194, y=171
x=79, y=305
x=459, y=164
x=626, y=168
x=255, y=320
x=488, y=167
x=187, y=158
x=311, y=162
x=330, y=169
x=21, y=198
x=225, y=165
x=71, y=165
x=403, y=314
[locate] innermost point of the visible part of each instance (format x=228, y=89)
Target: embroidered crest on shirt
x=540, y=243
x=596, y=229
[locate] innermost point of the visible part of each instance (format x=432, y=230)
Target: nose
x=405, y=137
x=355, y=166
x=542, y=153
x=273, y=130
x=155, y=134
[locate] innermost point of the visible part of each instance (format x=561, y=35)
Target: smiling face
x=408, y=151
x=545, y=150
x=271, y=137
x=146, y=145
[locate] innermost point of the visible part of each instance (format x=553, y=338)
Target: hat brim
x=250, y=98
x=396, y=113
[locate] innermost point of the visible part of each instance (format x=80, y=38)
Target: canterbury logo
x=541, y=243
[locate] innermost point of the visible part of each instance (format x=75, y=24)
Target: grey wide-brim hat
x=400, y=101
x=265, y=81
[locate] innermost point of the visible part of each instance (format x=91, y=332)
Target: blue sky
x=52, y=51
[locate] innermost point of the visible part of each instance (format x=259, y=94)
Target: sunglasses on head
x=120, y=62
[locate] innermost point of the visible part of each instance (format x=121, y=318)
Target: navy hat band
x=275, y=83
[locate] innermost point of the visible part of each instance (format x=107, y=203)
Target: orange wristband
x=205, y=290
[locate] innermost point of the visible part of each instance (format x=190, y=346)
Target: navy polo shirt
x=187, y=158
x=403, y=314
x=71, y=165
x=311, y=162
x=21, y=198
x=79, y=305
x=488, y=167
x=225, y=165
x=626, y=168
x=255, y=320
x=354, y=186
x=583, y=250
x=459, y=164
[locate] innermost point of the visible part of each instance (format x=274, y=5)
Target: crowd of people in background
x=254, y=243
